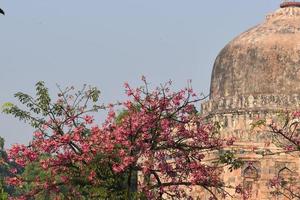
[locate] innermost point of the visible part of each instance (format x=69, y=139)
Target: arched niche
x=250, y=175
x=286, y=174
x=250, y=172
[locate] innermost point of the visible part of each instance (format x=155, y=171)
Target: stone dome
x=265, y=60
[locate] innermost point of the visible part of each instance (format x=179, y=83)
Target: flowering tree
x=285, y=132
x=158, y=142
x=163, y=137
x=56, y=155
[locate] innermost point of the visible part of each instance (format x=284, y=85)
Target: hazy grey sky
x=105, y=43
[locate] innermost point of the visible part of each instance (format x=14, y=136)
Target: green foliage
x=1, y=143
x=3, y=194
x=43, y=98
x=9, y=108
x=228, y=158
x=121, y=115
x=31, y=172
x=113, y=186
x=5, y=166
x=40, y=105
x=41, y=108
x=258, y=123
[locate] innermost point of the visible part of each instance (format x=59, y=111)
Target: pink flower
x=92, y=175
x=13, y=170
x=64, y=179
x=66, y=138
x=296, y=114
x=126, y=85
x=85, y=148
x=14, y=181
x=76, y=136
x=289, y=148
x=88, y=119
x=118, y=168
x=38, y=134
x=230, y=141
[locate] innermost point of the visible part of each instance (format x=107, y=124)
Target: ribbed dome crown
x=262, y=60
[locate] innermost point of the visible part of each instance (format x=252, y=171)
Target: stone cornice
x=252, y=103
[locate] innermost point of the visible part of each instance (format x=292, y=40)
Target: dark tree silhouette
x=2, y=12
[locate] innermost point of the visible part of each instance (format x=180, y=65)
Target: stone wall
x=263, y=158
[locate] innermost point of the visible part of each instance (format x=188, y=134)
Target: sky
x=105, y=43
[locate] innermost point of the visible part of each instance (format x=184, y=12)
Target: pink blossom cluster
x=158, y=133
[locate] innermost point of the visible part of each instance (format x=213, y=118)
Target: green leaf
x=258, y=123
x=6, y=107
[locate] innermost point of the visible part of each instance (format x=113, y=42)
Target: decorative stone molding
x=251, y=103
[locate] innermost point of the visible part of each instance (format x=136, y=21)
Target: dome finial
x=289, y=3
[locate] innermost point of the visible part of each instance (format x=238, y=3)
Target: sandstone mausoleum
x=256, y=76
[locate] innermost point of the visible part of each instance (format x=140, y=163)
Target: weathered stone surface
x=262, y=60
